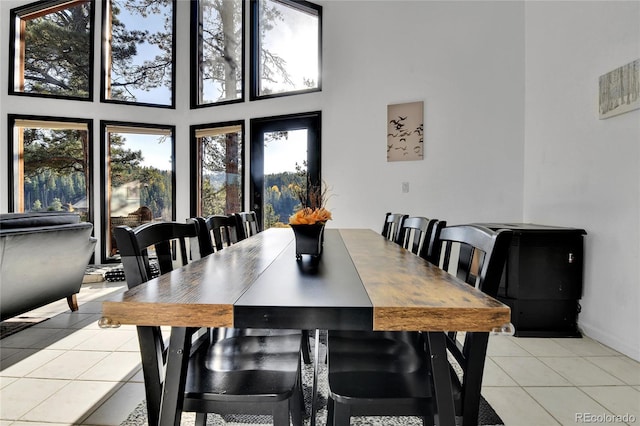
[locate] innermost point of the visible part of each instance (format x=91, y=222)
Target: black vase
x=309, y=239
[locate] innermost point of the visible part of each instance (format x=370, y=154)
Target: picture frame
x=405, y=131
x=619, y=90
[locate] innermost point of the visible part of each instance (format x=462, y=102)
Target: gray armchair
x=43, y=258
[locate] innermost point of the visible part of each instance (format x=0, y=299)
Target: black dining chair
x=225, y=375
x=218, y=231
x=378, y=374
x=408, y=391
x=414, y=231
x=391, y=226
x=482, y=254
x=363, y=383
x=432, y=246
x=247, y=224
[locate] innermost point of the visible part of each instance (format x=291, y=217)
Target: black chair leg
x=427, y=420
x=341, y=414
x=281, y=413
x=330, y=408
x=296, y=410
x=477, y=343
x=300, y=392
x=201, y=419
x=152, y=353
x=306, y=347
x=436, y=342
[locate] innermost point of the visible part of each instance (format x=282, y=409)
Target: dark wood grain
x=408, y=293
x=201, y=294
x=362, y=281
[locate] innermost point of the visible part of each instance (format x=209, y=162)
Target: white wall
x=465, y=60
x=581, y=171
x=471, y=63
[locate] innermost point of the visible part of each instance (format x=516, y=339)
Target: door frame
x=312, y=121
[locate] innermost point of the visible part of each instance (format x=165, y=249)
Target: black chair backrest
x=215, y=232
x=432, y=246
x=392, y=224
x=481, y=260
x=169, y=239
x=482, y=254
x=247, y=224
x=414, y=231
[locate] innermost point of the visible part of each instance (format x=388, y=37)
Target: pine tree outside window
x=51, y=49
x=138, y=177
x=218, y=52
x=53, y=171
x=216, y=159
x=286, y=48
x=138, y=55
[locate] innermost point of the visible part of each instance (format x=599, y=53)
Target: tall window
x=51, y=164
x=138, y=177
x=218, y=43
x=216, y=158
x=139, y=52
x=51, y=49
x=286, y=48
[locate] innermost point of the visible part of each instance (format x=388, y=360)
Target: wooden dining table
x=361, y=281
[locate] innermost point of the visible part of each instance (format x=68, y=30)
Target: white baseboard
x=614, y=342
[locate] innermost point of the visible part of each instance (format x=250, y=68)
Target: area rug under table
x=487, y=416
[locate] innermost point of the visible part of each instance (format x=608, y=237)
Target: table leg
x=441, y=378
x=175, y=376
x=314, y=392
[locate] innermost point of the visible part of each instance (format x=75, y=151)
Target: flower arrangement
x=309, y=216
x=313, y=210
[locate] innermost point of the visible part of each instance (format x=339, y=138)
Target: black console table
x=542, y=281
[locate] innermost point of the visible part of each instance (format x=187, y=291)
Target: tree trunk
x=232, y=179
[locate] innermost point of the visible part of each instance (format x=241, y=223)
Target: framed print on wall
x=620, y=90
x=405, y=131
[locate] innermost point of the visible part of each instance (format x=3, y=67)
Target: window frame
x=254, y=81
x=106, y=25
x=18, y=18
x=106, y=179
x=195, y=87
x=195, y=162
x=15, y=150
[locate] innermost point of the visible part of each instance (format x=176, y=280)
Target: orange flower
x=312, y=199
x=321, y=215
x=308, y=216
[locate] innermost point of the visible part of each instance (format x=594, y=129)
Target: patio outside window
x=139, y=177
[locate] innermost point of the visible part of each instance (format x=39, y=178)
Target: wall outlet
x=405, y=187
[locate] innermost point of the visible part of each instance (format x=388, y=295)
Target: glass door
x=285, y=154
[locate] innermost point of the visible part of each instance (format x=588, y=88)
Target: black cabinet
x=542, y=280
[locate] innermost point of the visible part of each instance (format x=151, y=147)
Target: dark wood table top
x=361, y=282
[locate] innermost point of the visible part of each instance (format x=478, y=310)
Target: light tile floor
x=66, y=370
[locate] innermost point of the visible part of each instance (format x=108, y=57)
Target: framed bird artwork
x=405, y=131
